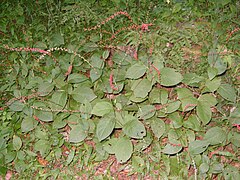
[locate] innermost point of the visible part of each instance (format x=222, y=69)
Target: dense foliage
x=120, y=88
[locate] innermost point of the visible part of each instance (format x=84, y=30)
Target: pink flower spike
x=237, y=125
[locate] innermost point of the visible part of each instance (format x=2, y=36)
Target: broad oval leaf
x=70, y=157
x=172, y=149
x=45, y=116
x=141, y=88
x=192, y=123
x=169, y=77
x=172, y=106
x=28, y=124
x=158, y=127
x=204, y=112
x=146, y=112
x=136, y=71
x=105, y=54
x=110, y=145
x=77, y=134
x=105, y=127
x=212, y=72
x=57, y=40
x=82, y=93
x=43, y=146
x=215, y=135
x=45, y=88
x=76, y=78
x=203, y=168
x=102, y=108
x=213, y=85
x=198, y=146
x=17, y=143
x=95, y=74
x=123, y=149
x=235, y=139
x=134, y=129
x=234, y=117
x=227, y=92
x=187, y=99
x=208, y=100
x=59, y=99
x=17, y=106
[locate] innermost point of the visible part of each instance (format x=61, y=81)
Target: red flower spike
x=111, y=82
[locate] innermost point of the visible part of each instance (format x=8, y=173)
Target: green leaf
x=234, y=117
x=76, y=78
x=109, y=145
x=102, y=108
x=123, y=149
x=184, y=93
x=59, y=121
x=40, y=45
x=141, y=88
x=215, y=61
x=227, y=92
x=196, y=147
x=216, y=168
x=231, y=173
x=172, y=106
x=77, y=134
x=155, y=96
x=158, y=127
x=28, y=124
x=136, y=71
x=192, y=123
x=192, y=79
x=57, y=40
x=146, y=112
x=43, y=146
x=164, y=96
x=86, y=109
x=134, y=129
x=169, y=77
x=17, y=143
x=208, y=100
x=45, y=88
x=59, y=99
x=235, y=139
x=176, y=8
x=45, y=116
x=82, y=93
x=220, y=65
x=213, y=85
x=212, y=72
x=95, y=74
x=17, y=106
x=176, y=120
x=105, y=127
x=171, y=149
x=96, y=61
x=187, y=99
x=105, y=54
x=203, y=168
x=215, y=135
x=10, y=156
x=204, y=112
x=70, y=157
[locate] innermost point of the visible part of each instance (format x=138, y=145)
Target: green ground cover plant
x=119, y=89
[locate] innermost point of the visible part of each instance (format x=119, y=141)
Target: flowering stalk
x=108, y=19
x=111, y=82
x=27, y=49
x=232, y=32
